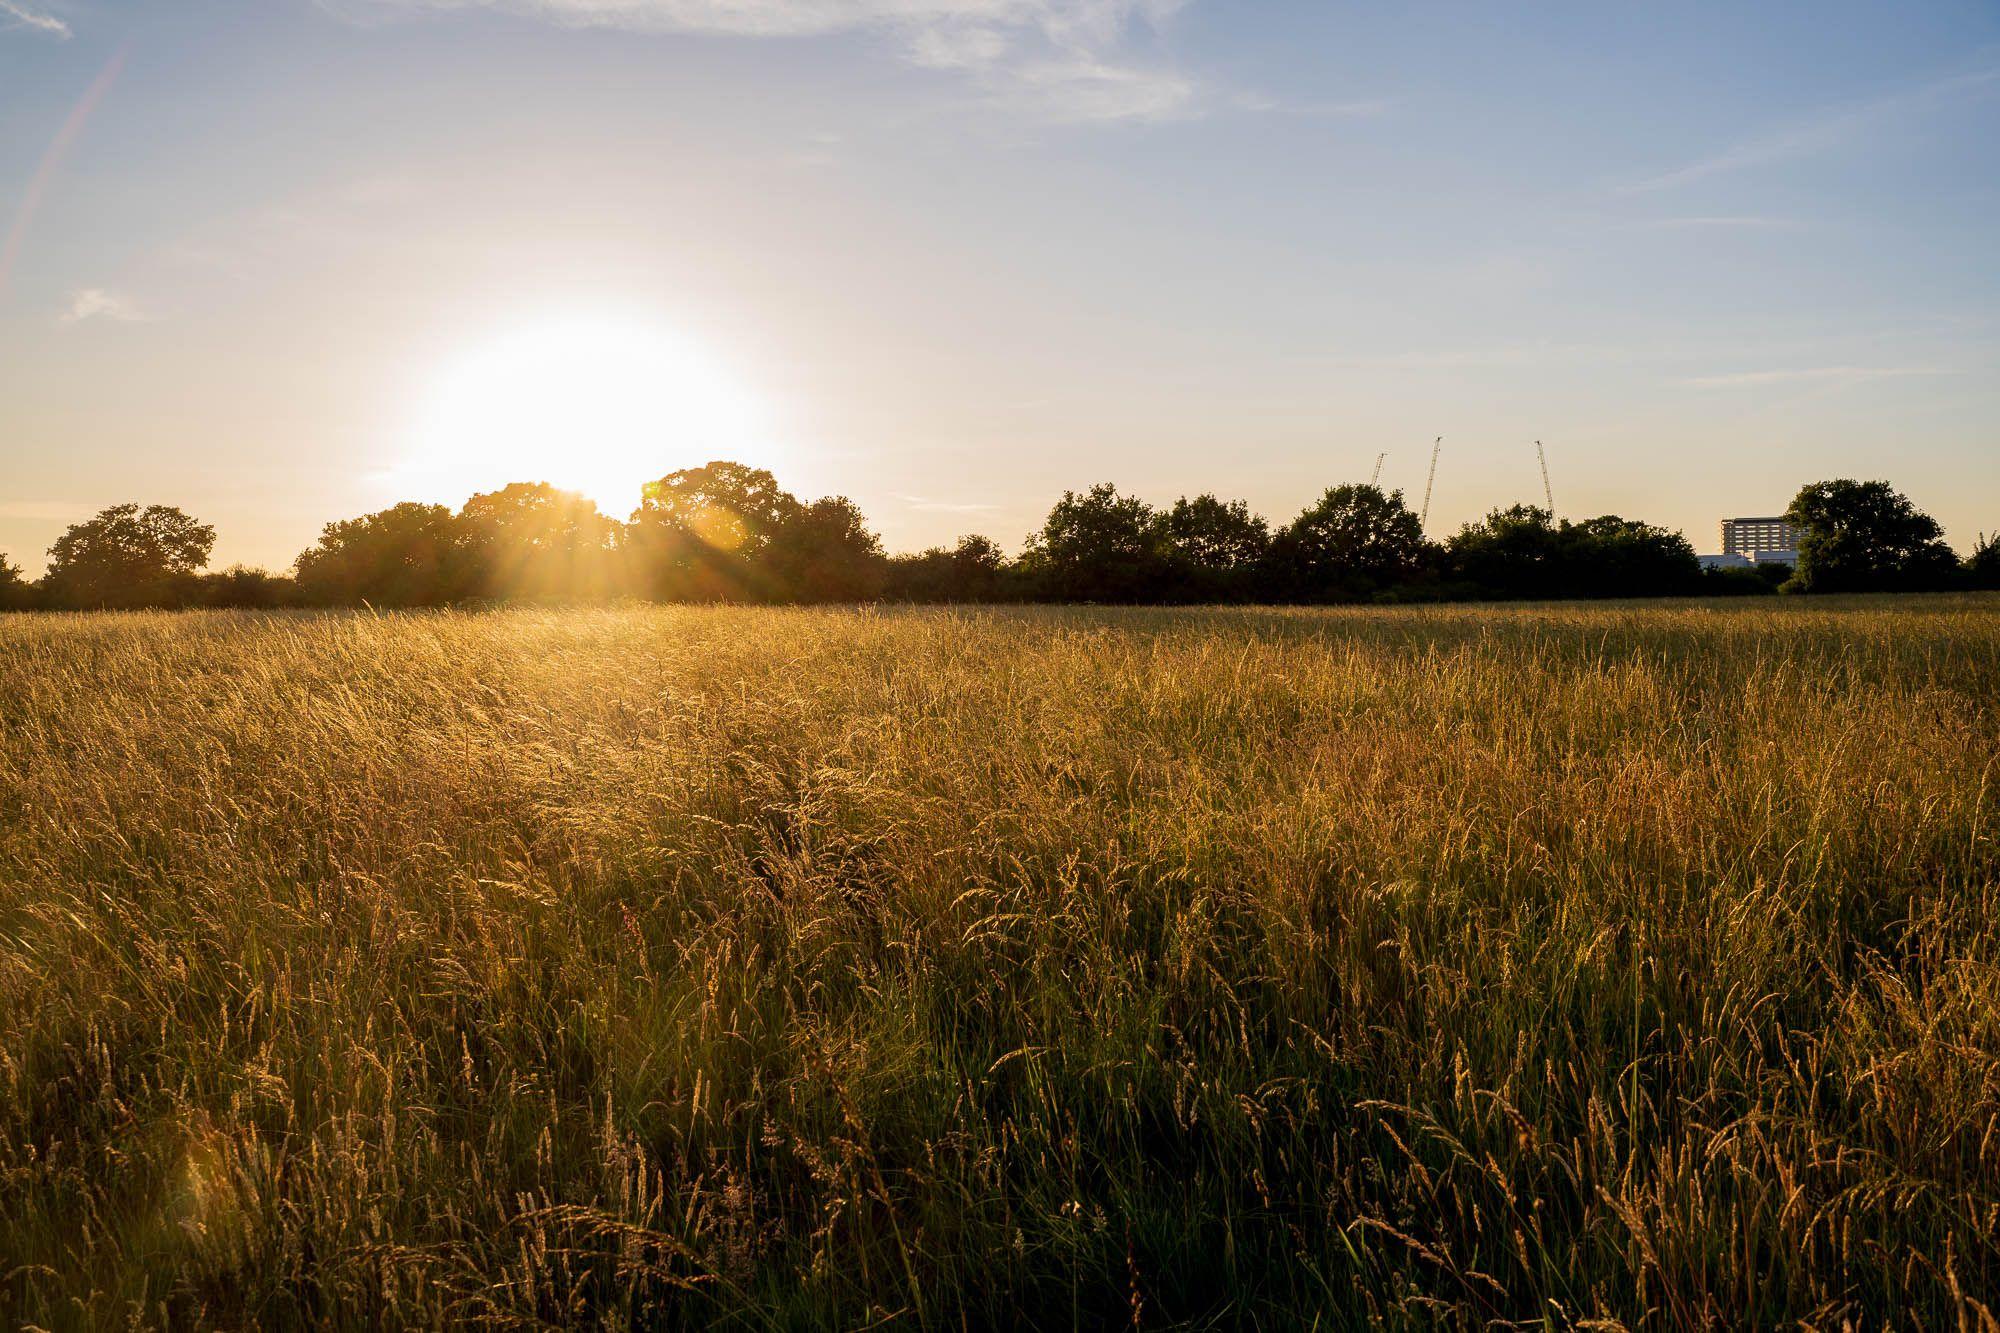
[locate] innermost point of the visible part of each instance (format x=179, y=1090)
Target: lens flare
x=592, y=405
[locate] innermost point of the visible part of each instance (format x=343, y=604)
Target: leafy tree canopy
x=975, y=570
x=1611, y=556
x=15, y=591
x=1509, y=553
x=727, y=531
x=1864, y=536
x=700, y=532
x=533, y=540
x=407, y=555
x=127, y=555
x=726, y=507
x=537, y=516
x=1522, y=551
x=824, y=552
x=1100, y=546
x=1216, y=536
x=1982, y=567
x=1355, y=541
x=975, y=554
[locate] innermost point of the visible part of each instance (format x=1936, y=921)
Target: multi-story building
x=1760, y=539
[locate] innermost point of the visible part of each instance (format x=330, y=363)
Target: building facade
x=1759, y=538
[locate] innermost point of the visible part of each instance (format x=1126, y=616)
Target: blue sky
x=952, y=257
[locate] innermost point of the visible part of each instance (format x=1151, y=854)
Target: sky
x=281, y=262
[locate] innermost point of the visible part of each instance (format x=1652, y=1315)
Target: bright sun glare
x=593, y=405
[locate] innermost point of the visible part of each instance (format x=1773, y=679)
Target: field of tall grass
x=1623, y=965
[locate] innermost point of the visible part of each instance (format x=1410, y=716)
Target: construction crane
x=1424, y=519
x=1547, y=493
x=1375, y=477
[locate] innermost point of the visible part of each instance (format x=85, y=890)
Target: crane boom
x=1424, y=519
x=1548, y=493
x=1375, y=477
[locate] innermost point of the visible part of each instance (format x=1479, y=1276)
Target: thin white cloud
x=15, y=14
x=1086, y=89
x=1069, y=60
x=97, y=303
x=1827, y=130
x=1808, y=374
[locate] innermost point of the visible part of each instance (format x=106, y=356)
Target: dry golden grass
x=659, y=966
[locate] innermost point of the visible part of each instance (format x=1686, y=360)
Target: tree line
x=725, y=532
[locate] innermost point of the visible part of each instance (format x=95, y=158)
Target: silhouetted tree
x=1217, y=548
x=1355, y=543
x=16, y=593
x=824, y=552
x=407, y=555
x=244, y=588
x=1618, y=557
x=128, y=556
x=979, y=568
x=1521, y=552
x=1100, y=546
x=981, y=572
x=1863, y=536
x=1982, y=567
x=920, y=576
x=975, y=570
x=530, y=540
x=700, y=532
x=1512, y=552
x=1758, y=580
x=725, y=531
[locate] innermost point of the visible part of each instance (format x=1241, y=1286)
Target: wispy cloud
x=1827, y=130
x=97, y=303
x=15, y=14
x=1811, y=374
x=1085, y=88
x=1070, y=60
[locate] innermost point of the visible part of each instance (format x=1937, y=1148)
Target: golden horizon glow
x=593, y=404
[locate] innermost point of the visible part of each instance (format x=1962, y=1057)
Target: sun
x=591, y=404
